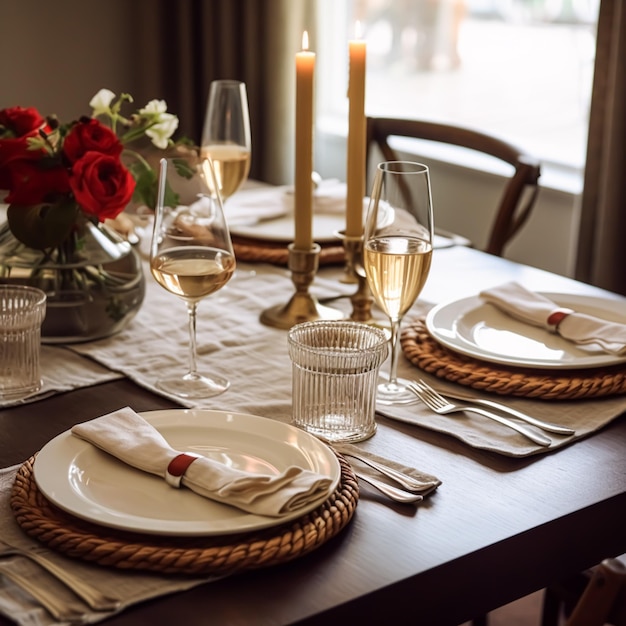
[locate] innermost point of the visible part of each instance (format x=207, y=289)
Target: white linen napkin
x=574, y=326
x=329, y=197
x=130, y=438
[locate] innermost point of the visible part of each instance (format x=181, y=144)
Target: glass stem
x=191, y=309
x=395, y=331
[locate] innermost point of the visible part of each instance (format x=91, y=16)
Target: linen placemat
x=63, y=370
x=130, y=587
x=584, y=416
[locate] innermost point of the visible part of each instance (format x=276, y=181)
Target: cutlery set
x=410, y=489
x=61, y=609
x=442, y=404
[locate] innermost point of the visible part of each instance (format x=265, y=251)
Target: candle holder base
x=361, y=299
x=302, y=307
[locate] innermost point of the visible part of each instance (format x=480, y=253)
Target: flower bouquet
x=64, y=184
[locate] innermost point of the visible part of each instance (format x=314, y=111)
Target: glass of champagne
x=191, y=255
x=226, y=135
x=397, y=252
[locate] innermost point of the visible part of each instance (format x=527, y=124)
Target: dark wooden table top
x=497, y=529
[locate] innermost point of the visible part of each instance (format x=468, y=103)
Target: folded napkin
x=257, y=204
x=538, y=310
x=130, y=438
x=329, y=197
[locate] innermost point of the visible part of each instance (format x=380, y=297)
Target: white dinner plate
x=93, y=485
x=475, y=328
x=282, y=229
x=325, y=229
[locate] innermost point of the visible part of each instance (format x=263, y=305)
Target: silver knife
x=547, y=426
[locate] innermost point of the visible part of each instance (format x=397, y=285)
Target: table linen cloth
x=233, y=342
x=538, y=310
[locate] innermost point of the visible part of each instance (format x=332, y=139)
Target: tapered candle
x=303, y=197
x=355, y=171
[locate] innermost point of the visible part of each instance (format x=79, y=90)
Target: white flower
x=162, y=130
x=101, y=102
x=154, y=106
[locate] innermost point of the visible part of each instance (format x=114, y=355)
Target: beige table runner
x=231, y=341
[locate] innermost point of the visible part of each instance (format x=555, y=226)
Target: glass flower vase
x=94, y=281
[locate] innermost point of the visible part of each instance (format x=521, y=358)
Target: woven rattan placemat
x=430, y=356
x=222, y=555
x=254, y=251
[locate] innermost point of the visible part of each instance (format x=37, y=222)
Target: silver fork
x=443, y=406
x=552, y=428
x=60, y=610
x=92, y=596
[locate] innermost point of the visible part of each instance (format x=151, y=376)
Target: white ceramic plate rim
x=453, y=324
x=282, y=229
x=72, y=474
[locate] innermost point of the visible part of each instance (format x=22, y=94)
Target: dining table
x=499, y=526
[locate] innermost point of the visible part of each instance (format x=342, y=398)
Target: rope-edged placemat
x=221, y=555
x=276, y=253
x=427, y=354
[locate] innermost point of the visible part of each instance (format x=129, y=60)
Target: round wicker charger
x=171, y=555
x=427, y=354
x=253, y=251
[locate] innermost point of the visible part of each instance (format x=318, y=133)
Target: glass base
x=339, y=435
x=388, y=393
x=193, y=386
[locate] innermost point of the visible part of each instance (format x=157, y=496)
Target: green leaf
x=183, y=168
x=145, y=185
x=42, y=226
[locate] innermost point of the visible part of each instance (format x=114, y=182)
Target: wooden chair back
x=520, y=192
x=594, y=597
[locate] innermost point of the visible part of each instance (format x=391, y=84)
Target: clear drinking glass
x=191, y=255
x=334, y=374
x=226, y=135
x=397, y=252
x=22, y=311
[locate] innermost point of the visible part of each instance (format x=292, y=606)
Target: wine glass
x=397, y=252
x=226, y=135
x=191, y=255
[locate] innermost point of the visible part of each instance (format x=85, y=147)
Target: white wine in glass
x=397, y=253
x=191, y=256
x=226, y=135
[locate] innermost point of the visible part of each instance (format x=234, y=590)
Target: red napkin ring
x=557, y=316
x=177, y=468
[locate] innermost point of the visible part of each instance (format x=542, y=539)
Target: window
x=520, y=69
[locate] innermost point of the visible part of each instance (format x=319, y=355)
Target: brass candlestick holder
x=362, y=298
x=302, y=307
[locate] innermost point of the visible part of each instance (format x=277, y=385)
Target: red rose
x=21, y=121
x=10, y=149
x=102, y=186
x=29, y=183
x=90, y=135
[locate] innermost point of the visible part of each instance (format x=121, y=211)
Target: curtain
x=601, y=256
x=182, y=46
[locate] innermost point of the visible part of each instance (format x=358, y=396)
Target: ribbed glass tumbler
x=335, y=368
x=22, y=310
